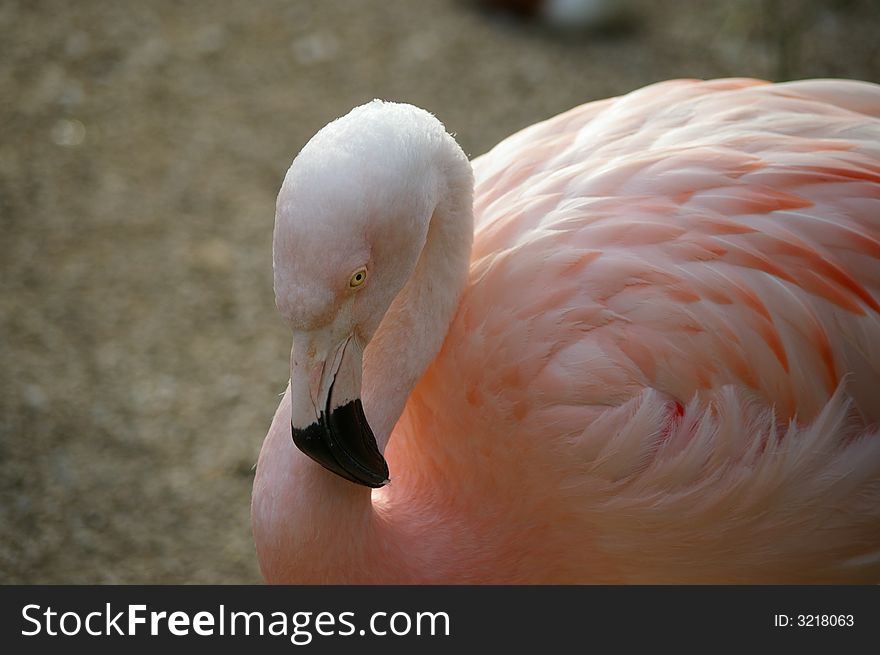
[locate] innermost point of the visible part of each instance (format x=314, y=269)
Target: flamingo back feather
x=673, y=306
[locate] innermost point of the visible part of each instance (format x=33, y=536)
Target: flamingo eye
x=358, y=278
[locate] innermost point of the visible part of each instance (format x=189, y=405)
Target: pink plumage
x=664, y=365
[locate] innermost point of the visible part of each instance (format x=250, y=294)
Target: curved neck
x=415, y=325
x=311, y=525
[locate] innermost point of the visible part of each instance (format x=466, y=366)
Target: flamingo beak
x=327, y=418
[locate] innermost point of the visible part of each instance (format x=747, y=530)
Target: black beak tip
x=343, y=443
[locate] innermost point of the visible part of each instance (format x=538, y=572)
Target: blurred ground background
x=141, y=148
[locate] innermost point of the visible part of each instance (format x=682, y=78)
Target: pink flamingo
x=637, y=342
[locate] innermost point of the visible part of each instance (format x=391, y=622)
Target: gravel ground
x=141, y=148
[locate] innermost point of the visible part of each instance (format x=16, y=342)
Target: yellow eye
x=358, y=278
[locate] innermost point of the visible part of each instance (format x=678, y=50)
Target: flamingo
x=638, y=342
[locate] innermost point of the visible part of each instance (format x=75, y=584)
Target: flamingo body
x=664, y=365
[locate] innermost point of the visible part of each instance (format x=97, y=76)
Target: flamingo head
x=350, y=223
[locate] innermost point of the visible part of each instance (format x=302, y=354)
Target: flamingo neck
x=413, y=329
x=340, y=531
